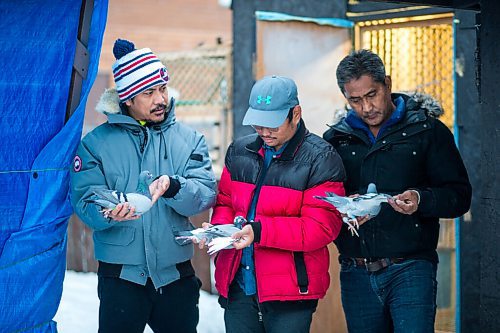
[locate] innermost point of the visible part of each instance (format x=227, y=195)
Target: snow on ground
x=78, y=311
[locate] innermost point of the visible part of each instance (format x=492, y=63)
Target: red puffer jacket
x=291, y=223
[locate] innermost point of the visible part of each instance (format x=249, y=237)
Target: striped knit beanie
x=136, y=70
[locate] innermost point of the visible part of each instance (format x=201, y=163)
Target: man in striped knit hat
x=145, y=276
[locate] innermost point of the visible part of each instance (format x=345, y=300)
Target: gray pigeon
x=215, y=231
x=217, y=237
x=140, y=199
x=366, y=204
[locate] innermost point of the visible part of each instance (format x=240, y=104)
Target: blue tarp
x=37, y=47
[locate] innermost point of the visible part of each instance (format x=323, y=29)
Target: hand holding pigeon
x=244, y=237
x=159, y=187
x=122, y=212
x=406, y=202
x=217, y=237
x=359, y=206
x=125, y=206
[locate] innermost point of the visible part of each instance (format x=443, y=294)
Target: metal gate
x=417, y=52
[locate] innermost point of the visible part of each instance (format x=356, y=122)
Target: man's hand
x=405, y=203
x=244, y=237
x=159, y=187
x=122, y=212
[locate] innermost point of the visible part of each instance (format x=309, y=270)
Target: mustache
x=159, y=108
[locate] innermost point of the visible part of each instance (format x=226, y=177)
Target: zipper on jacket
x=258, y=306
x=260, y=181
x=162, y=141
x=257, y=289
x=145, y=141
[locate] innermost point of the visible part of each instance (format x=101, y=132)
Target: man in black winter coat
x=388, y=273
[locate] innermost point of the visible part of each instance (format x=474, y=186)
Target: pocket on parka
x=121, y=235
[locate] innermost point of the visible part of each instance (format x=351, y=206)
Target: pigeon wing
x=109, y=195
x=222, y=230
x=104, y=198
x=140, y=202
x=370, y=205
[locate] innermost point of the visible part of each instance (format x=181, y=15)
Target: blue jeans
x=398, y=298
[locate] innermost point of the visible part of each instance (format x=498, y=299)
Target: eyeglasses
x=261, y=128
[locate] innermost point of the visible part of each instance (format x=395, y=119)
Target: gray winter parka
x=111, y=157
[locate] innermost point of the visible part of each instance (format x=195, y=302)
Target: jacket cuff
x=426, y=205
x=417, y=193
x=173, y=189
x=257, y=227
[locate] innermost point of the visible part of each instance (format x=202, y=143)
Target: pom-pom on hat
x=136, y=70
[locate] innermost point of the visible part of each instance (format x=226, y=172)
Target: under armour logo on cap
x=267, y=99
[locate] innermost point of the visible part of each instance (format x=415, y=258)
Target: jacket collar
x=292, y=146
x=353, y=120
x=419, y=106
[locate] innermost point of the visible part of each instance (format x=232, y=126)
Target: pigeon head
x=372, y=188
x=145, y=179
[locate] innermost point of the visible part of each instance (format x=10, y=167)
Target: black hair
x=357, y=64
x=290, y=114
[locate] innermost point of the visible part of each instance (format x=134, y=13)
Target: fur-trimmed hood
x=418, y=100
x=109, y=102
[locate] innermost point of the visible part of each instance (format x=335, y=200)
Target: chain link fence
x=201, y=79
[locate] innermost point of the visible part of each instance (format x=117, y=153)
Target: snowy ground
x=78, y=311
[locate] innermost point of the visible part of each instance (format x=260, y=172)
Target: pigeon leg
x=355, y=221
x=351, y=226
x=353, y=230
x=105, y=212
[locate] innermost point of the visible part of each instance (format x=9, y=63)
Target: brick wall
x=163, y=26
